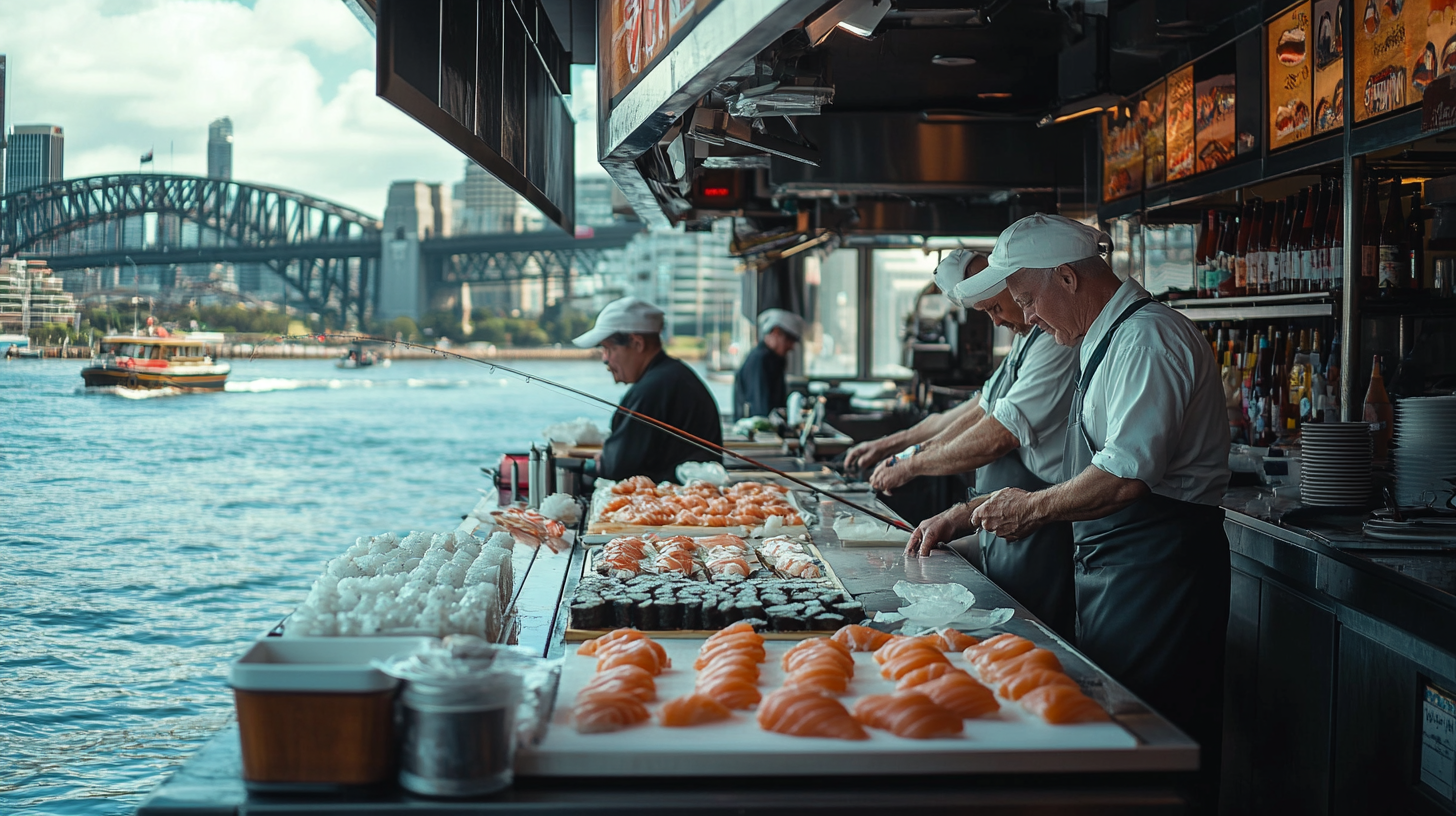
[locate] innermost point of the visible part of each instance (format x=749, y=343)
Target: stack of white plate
x=1425, y=450
x=1335, y=464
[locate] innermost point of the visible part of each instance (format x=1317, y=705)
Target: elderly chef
x=1146, y=465
x=760, y=386
x=1015, y=439
x=628, y=331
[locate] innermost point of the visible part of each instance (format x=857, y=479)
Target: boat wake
x=269, y=384
x=130, y=393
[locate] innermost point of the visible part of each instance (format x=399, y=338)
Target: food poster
x=1214, y=123
x=1329, y=65
x=1441, y=34
x=1151, y=110
x=1122, y=153
x=1291, y=77
x=1392, y=64
x=1180, y=143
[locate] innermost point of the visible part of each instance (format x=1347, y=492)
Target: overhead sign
x=489, y=77
x=1291, y=77
x=635, y=34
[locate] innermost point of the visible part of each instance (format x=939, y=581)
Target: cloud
x=122, y=78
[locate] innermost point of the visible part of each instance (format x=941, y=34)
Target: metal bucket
x=459, y=739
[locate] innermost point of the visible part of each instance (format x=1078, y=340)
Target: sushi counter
x=1125, y=760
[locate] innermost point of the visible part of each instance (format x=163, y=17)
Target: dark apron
x=1037, y=570
x=1152, y=587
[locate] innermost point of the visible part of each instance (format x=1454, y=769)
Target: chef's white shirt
x=1036, y=406
x=1155, y=408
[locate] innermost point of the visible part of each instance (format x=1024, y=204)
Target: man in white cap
x=1145, y=468
x=1013, y=437
x=760, y=385
x=629, y=334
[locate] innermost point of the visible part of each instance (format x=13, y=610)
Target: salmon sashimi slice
x=795, y=659
x=954, y=641
x=692, y=709
x=724, y=540
x=745, y=669
x=997, y=648
x=754, y=651
x=908, y=714
x=633, y=680
x=909, y=660
x=733, y=629
x=819, y=676
x=815, y=643
x=806, y=713
x=731, y=691
x=602, y=711
x=961, y=694
x=925, y=674
x=633, y=653
x=1012, y=666
x=590, y=647
x=899, y=644
x=861, y=638
x=1018, y=685
x=1060, y=705
x=604, y=649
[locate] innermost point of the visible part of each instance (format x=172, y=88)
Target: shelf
x=1399, y=129
x=1305, y=156
x=1258, y=312
x=1202, y=303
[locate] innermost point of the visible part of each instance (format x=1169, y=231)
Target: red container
x=503, y=476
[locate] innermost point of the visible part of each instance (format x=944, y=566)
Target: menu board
x=1151, y=117
x=1214, y=122
x=1393, y=64
x=1329, y=65
x=1122, y=153
x=1291, y=78
x=635, y=34
x=1180, y=144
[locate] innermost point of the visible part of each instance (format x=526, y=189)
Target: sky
x=296, y=76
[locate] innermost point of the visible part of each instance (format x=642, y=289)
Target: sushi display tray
x=1011, y=741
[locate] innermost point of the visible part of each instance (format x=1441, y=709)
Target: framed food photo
x=1328, y=20
x=1214, y=124
x=1179, y=139
x=1291, y=77
x=1122, y=153
x=1151, y=120
x=1392, y=64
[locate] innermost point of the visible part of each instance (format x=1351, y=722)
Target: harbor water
x=146, y=539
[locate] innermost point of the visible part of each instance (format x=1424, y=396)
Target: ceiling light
x=949, y=61
x=995, y=95
x=858, y=17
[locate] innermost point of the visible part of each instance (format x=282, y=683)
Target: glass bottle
x=1415, y=235
x=1335, y=239
x=1370, y=241
x=1247, y=224
x=1394, y=262
x=1378, y=411
x=1204, y=255
x=1273, y=255
x=1293, y=268
x=1319, y=272
x=1228, y=241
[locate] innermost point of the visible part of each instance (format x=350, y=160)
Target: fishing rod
x=711, y=447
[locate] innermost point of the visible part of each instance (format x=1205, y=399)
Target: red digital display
x=715, y=192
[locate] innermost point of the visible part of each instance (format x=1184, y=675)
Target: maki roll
x=590, y=614
x=669, y=613
x=786, y=617
x=622, y=617
x=647, y=615
x=827, y=622
x=692, y=613
x=759, y=624
x=748, y=609
x=730, y=611
x=853, y=611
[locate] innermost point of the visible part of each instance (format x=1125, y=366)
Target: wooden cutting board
x=1012, y=741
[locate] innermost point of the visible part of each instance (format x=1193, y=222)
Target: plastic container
x=460, y=737
x=314, y=715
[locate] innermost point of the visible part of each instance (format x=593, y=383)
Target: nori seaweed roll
x=592, y=614
x=692, y=613
x=647, y=615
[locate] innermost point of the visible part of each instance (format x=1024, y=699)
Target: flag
x=147, y=157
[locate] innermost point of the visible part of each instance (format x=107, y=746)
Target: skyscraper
x=2, y=123
x=220, y=149
x=35, y=156
x=484, y=204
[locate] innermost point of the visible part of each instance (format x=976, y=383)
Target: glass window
x=900, y=275
x=832, y=284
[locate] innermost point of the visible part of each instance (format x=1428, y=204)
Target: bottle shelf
x=1259, y=309
x=1248, y=300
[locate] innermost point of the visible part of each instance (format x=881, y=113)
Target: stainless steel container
x=459, y=740
x=567, y=481
x=535, y=478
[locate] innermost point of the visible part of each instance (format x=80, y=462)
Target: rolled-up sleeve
x=1147, y=391
x=1036, y=405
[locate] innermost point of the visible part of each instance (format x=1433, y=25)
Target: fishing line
x=535, y=379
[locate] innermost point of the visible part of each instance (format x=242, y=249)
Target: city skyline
x=295, y=76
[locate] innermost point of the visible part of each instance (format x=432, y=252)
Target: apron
x=1037, y=570
x=1152, y=589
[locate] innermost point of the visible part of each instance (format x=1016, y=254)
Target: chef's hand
x=1008, y=513
x=939, y=529
x=892, y=473
x=868, y=453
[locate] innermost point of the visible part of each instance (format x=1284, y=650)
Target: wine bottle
x=1415, y=234
x=1319, y=267
x=1370, y=242
x=1204, y=255
x=1336, y=239
x=1273, y=255
x=1247, y=225
x=1378, y=411
x=1300, y=401
x=1228, y=242
x=1294, y=268
x=1394, y=262
x=1258, y=243
x=1260, y=406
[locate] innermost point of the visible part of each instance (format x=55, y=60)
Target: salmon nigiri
x=733, y=629
x=1011, y=666
x=907, y=714
x=602, y=711
x=729, y=690
x=735, y=664
x=909, y=660
x=1016, y=686
x=954, y=641
x=796, y=658
x=900, y=644
x=997, y=648
x=634, y=653
x=961, y=694
x=861, y=638
x=749, y=644
x=627, y=679
x=925, y=674
x=804, y=713
x=819, y=676
x=1059, y=705
x=590, y=647
x=817, y=643
x=692, y=709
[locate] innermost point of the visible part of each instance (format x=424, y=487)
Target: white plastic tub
x=321, y=664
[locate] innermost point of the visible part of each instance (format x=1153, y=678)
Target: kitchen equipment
x=459, y=737
x=1335, y=464
x=313, y=714
x=1425, y=450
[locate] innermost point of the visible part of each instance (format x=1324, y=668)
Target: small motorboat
x=155, y=362
x=358, y=357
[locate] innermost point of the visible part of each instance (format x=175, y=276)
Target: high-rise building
x=35, y=156
x=220, y=149
x=416, y=211
x=484, y=204
x=690, y=275
x=594, y=201
x=31, y=296
x=2, y=123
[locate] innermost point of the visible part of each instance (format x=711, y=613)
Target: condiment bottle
x=1378, y=411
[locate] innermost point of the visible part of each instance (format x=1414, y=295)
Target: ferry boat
x=155, y=362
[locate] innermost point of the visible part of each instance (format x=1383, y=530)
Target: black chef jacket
x=760, y=383
x=668, y=391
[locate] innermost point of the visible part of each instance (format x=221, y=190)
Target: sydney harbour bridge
x=332, y=259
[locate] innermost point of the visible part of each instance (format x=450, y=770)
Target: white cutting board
x=1012, y=741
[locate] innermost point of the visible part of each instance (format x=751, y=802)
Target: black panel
x=1241, y=673
x=458, y=33
x=1294, y=705
x=1249, y=90
x=513, y=90
x=489, y=67
x=1378, y=727
x=538, y=116
x=416, y=47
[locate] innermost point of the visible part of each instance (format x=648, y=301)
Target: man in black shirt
x=629, y=334
x=759, y=386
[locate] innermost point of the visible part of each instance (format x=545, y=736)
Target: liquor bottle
x=1294, y=268
x=1370, y=242
x=1301, y=402
x=1260, y=407
x=1276, y=387
x=1415, y=234
x=1273, y=256
x=1378, y=411
x=1394, y=262
x=1203, y=255
x=1317, y=392
x=1319, y=265
x=1332, y=381
x=1248, y=221
x=1335, y=239
x=1224, y=261
x=1258, y=242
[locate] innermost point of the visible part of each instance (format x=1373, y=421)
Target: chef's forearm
x=982, y=443
x=1091, y=494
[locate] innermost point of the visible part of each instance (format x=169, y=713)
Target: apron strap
x=1095, y=361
